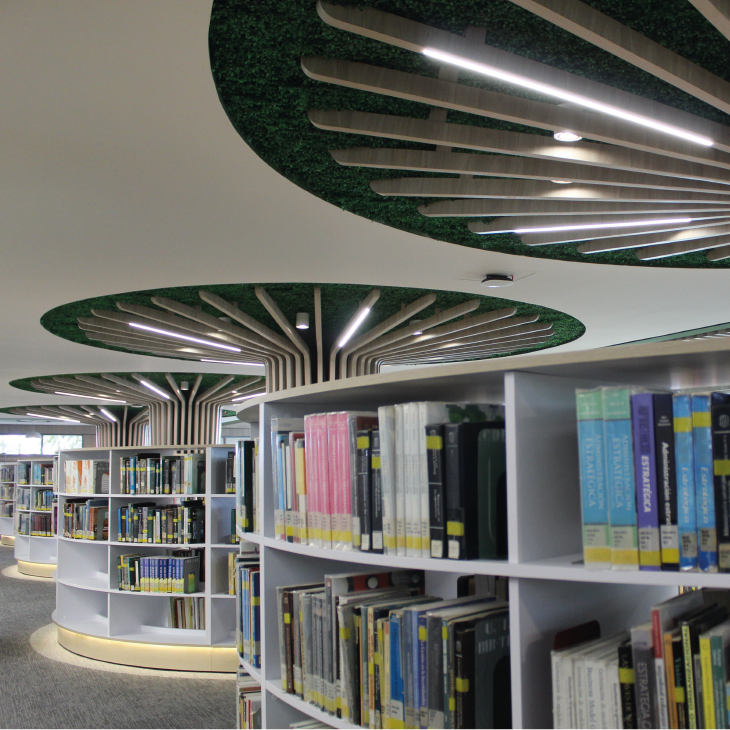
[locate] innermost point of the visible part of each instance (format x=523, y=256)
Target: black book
x=720, y=414
x=376, y=493
x=247, y=486
x=363, y=489
x=626, y=679
x=666, y=480
x=464, y=677
x=493, y=690
x=680, y=686
x=461, y=481
x=435, y=461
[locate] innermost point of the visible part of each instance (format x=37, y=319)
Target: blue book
x=396, y=675
x=620, y=479
x=255, y=589
x=704, y=483
x=647, y=497
x=281, y=440
x=592, y=460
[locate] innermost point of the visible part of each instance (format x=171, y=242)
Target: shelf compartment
x=304, y=707
x=75, y=561
x=82, y=609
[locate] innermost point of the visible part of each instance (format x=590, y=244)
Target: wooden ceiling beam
x=678, y=249
x=718, y=13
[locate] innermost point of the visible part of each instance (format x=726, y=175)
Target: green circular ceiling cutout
x=339, y=303
x=256, y=51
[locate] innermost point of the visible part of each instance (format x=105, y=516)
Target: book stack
x=148, y=473
x=670, y=672
x=7, y=473
x=22, y=473
x=187, y=613
x=7, y=491
x=6, y=509
x=86, y=476
x=399, y=481
x=22, y=500
x=230, y=485
x=43, y=473
x=159, y=575
x=86, y=519
x=248, y=611
x=372, y=649
x=246, y=486
x=248, y=710
x=41, y=526
x=151, y=523
x=42, y=500
x=654, y=479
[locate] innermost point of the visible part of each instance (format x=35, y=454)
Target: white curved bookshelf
x=549, y=588
x=7, y=504
x=92, y=612
x=36, y=554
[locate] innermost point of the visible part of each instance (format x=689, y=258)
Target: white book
x=400, y=481
x=412, y=486
x=615, y=715
x=386, y=425
x=597, y=686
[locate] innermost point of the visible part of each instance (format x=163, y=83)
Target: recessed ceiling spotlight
x=567, y=136
x=302, y=320
x=562, y=182
x=184, y=385
x=497, y=281
x=416, y=321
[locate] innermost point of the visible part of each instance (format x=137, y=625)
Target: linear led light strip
x=549, y=90
x=53, y=418
x=593, y=226
x=233, y=362
x=185, y=337
x=244, y=397
x=351, y=329
x=93, y=397
x=153, y=388
x=107, y=414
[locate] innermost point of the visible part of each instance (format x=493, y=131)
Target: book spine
x=705, y=498
x=717, y=661
x=413, y=494
x=314, y=531
x=299, y=462
x=325, y=493
x=643, y=656
x=376, y=492
x=336, y=470
x=455, y=520
x=422, y=420
x=666, y=480
x=397, y=713
x=708, y=699
x=647, y=497
x=354, y=499
x=720, y=416
x=386, y=427
x=363, y=484
x=434, y=465
x=620, y=479
x=400, y=481
x=684, y=461
x=689, y=676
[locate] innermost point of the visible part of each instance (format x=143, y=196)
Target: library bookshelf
x=549, y=589
x=36, y=554
x=7, y=505
x=96, y=619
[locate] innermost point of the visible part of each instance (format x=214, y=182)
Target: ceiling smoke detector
x=497, y=281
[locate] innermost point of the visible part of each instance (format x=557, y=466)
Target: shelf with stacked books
x=144, y=538
x=7, y=504
x=550, y=587
x=35, y=515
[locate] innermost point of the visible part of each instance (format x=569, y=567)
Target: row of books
x=86, y=476
x=148, y=473
x=248, y=607
x=187, y=613
x=6, y=509
x=22, y=499
x=42, y=499
x=35, y=473
x=7, y=491
x=86, y=519
x=148, y=522
x=7, y=473
x=415, y=479
x=167, y=574
x=670, y=672
x=22, y=523
x=230, y=483
x=247, y=498
x=248, y=709
x=372, y=649
x=655, y=478
x=41, y=525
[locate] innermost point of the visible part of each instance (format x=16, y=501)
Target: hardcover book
x=704, y=487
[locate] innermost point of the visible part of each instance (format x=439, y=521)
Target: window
x=47, y=444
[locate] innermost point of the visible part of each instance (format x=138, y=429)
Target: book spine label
x=647, y=498
x=592, y=460
x=620, y=479
x=437, y=517
x=685, y=477
x=452, y=489
x=720, y=407
x=644, y=682
x=376, y=492
x=705, y=498
x=666, y=480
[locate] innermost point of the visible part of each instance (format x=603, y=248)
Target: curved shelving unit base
x=7, y=540
x=185, y=658
x=39, y=570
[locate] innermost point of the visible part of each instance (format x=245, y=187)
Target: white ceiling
x=120, y=171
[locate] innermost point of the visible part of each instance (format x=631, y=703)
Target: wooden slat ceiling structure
x=173, y=329
x=643, y=175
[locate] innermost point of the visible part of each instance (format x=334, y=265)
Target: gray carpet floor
x=36, y=692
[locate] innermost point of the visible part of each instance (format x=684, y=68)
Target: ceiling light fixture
x=351, y=329
x=554, y=91
x=233, y=362
x=302, y=320
x=244, y=397
x=593, y=226
x=108, y=415
x=497, y=281
x=208, y=343
x=154, y=388
x=93, y=397
x=53, y=418
x=562, y=182
x=416, y=321
x=566, y=136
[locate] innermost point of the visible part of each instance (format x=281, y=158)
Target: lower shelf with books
x=303, y=708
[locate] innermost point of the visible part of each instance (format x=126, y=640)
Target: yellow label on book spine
x=375, y=462
x=287, y=618
x=413, y=542
x=701, y=419
x=670, y=555
x=597, y=554
x=462, y=684
x=363, y=442
x=624, y=557
x=650, y=558
x=434, y=442
x=455, y=529
x=708, y=699
x=626, y=675
x=389, y=542
x=422, y=633
x=444, y=633
x=679, y=694
x=722, y=467
x=683, y=425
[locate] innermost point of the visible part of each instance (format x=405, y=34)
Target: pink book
x=339, y=480
x=324, y=497
x=311, y=462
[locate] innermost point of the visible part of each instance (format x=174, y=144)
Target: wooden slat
x=718, y=13
x=416, y=37
x=677, y=249
x=434, y=187
x=506, y=107
x=653, y=239
x=508, y=224
x=466, y=163
x=719, y=254
x=610, y=35
x=483, y=139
